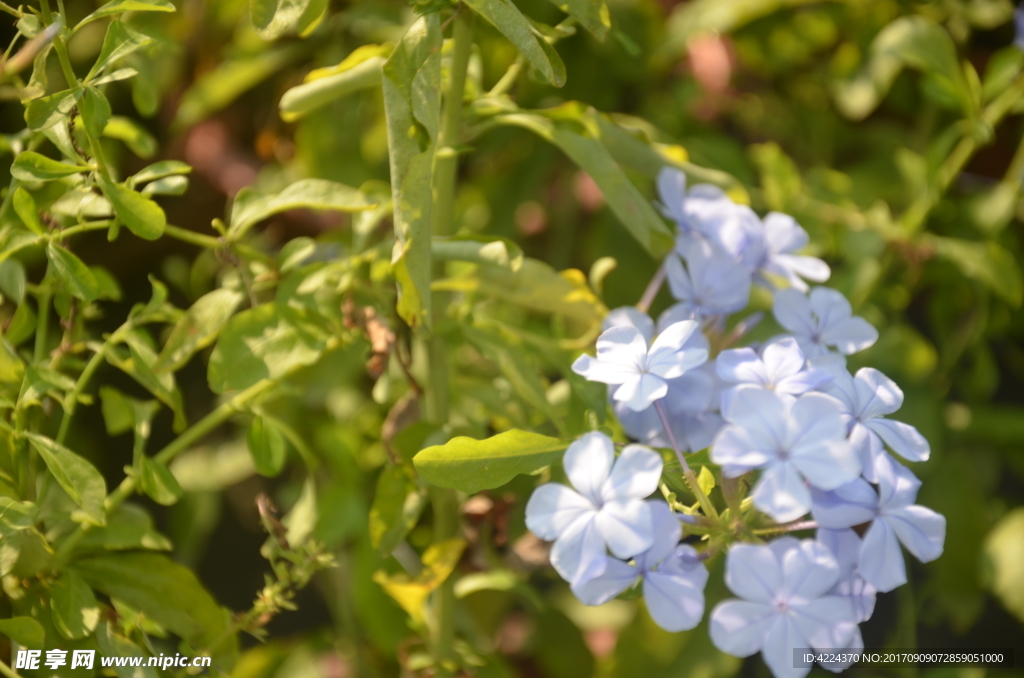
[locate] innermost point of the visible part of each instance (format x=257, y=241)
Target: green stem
x=59, y=46
x=509, y=79
x=196, y=432
x=210, y=242
x=7, y=671
x=81, y=228
x=915, y=216
x=43, y=324
x=446, y=163
x=688, y=474
x=71, y=401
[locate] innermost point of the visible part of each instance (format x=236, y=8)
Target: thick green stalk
x=446, y=163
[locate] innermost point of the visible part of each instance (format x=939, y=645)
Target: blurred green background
x=795, y=99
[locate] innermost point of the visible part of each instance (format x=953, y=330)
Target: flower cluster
x=783, y=419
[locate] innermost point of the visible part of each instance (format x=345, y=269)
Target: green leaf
x=12, y=280
x=16, y=241
x=316, y=194
x=412, y=105
x=138, y=140
x=120, y=41
x=119, y=413
x=909, y=41
x=21, y=327
x=112, y=644
x=1003, y=68
x=159, y=170
x=45, y=112
x=274, y=18
x=167, y=593
x=987, y=262
x=74, y=606
x=302, y=518
x=583, y=147
x=16, y=515
x=158, y=482
x=118, y=6
x=95, y=111
x=31, y=166
x=261, y=343
x=472, y=465
x=487, y=250
x=142, y=216
x=176, y=185
x=198, y=328
x=1004, y=550
x=78, y=477
x=138, y=365
x=267, y=447
x=311, y=95
x=509, y=355
x=591, y=14
x=439, y=561
x=75, y=275
x=128, y=528
x=215, y=89
x=397, y=505
x=507, y=18
x=535, y=286
x=295, y=252
x=25, y=208
x=24, y=631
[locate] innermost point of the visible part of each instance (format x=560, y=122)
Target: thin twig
x=653, y=287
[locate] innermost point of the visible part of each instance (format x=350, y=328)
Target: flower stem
x=653, y=287
x=688, y=474
x=794, y=526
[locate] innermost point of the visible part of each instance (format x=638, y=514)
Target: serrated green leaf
x=73, y=604
x=73, y=273
x=142, y=216
x=267, y=447
x=198, y=328
x=32, y=166
x=128, y=528
x=507, y=18
x=472, y=465
x=78, y=477
x=315, y=194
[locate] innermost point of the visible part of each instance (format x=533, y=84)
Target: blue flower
x=673, y=577
x=783, y=237
x=822, y=321
x=845, y=546
x=710, y=283
x=640, y=373
x=779, y=368
x=604, y=507
x=793, y=441
x=867, y=398
x=894, y=519
x=785, y=603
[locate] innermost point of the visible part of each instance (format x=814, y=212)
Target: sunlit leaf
x=473, y=465
x=78, y=477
